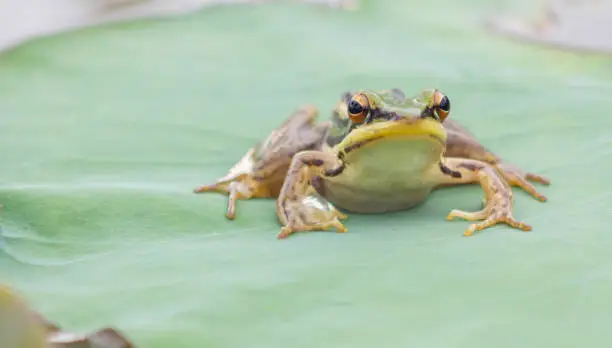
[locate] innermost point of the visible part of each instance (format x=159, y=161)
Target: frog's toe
x=490, y=219
x=336, y=213
x=527, y=186
x=221, y=186
x=289, y=229
x=516, y=177
x=494, y=220
x=455, y=213
x=208, y=188
x=236, y=190
x=537, y=178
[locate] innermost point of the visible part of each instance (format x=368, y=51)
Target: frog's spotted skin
x=379, y=152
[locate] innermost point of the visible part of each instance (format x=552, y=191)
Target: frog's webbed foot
x=498, y=205
x=498, y=202
x=299, y=206
x=310, y=213
x=517, y=177
x=260, y=172
x=237, y=184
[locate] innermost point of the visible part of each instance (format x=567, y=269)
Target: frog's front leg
x=498, y=196
x=461, y=143
x=299, y=206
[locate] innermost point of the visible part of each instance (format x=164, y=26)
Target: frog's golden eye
x=441, y=105
x=358, y=108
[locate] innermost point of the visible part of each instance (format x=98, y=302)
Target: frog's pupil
x=445, y=104
x=355, y=107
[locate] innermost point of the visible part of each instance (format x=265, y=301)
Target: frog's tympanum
x=380, y=152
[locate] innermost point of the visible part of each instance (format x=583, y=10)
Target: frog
x=381, y=151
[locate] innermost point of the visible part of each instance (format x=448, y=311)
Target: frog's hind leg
x=299, y=206
x=240, y=184
x=461, y=143
x=498, y=196
x=261, y=171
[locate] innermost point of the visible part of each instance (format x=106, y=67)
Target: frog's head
x=379, y=114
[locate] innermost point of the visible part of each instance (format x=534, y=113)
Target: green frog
x=381, y=151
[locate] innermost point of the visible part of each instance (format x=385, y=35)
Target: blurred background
x=111, y=112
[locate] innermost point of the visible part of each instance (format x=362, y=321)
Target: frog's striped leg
x=300, y=208
x=461, y=143
x=261, y=171
x=241, y=184
x=498, y=196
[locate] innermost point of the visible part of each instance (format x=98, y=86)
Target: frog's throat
x=413, y=127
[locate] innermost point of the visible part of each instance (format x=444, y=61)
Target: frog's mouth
x=402, y=128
